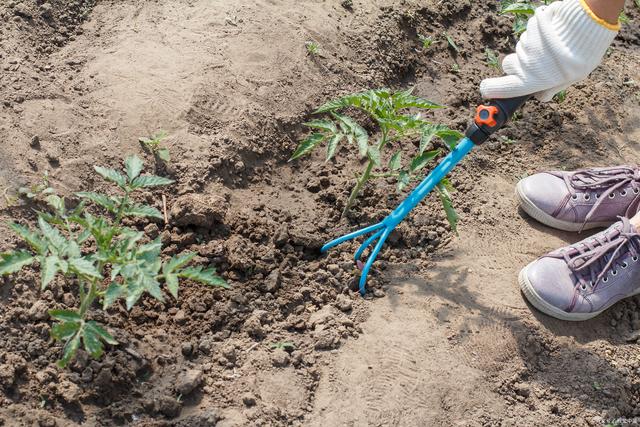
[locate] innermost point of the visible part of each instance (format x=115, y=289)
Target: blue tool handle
x=424, y=188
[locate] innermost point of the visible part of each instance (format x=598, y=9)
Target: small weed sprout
x=425, y=41
x=347, y=4
x=395, y=125
x=623, y=18
x=560, y=97
x=283, y=346
x=154, y=145
x=455, y=68
x=452, y=44
x=103, y=259
x=37, y=191
x=492, y=59
x=313, y=48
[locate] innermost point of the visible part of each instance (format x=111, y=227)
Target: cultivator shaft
x=489, y=118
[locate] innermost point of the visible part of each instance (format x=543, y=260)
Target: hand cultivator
x=489, y=118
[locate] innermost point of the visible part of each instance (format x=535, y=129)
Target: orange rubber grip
x=486, y=115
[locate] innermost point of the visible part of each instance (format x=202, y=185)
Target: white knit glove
x=563, y=43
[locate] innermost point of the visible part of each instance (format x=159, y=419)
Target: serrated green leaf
x=14, y=261
x=452, y=215
x=84, y=267
x=395, y=163
x=70, y=350
x=326, y=125
x=206, y=276
x=306, y=146
x=83, y=236
x=374, y=154
x=111, y=295
x=65, y=315
x=133, y=166
x=146, y=181
x=519, y=8
x=99, y=199
x=177, y=262
x=427, y=133
x=154, y=247
x=164, y=155
x=73, y=250
x=333, y=145
x=172, y=284
x=133, y=296
x=101, y=332
x=422, y=160
x=52, y=235
x=142, y=211
x=450, y=137
x=405, y=99
x=32, y=238
x=403, y=180
x=355, y=131
x=92, y=343
x=56, y=202
x=64, y=330
x=451, y=42
x=152, y=286
x=48, y=269
x=111, y=175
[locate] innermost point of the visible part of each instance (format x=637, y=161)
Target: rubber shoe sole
x=543, y=306
x=541, y=216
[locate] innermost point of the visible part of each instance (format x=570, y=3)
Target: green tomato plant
x=154, y=145
x=102, y=258
x=398, y=122
x=521, y=10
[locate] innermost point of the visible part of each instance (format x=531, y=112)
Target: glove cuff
x=581, y=30
x=597, y=19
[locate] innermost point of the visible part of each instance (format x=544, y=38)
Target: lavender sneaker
x=575, y=201
x=580, y=281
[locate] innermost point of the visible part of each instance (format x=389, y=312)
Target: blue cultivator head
x=489, y=118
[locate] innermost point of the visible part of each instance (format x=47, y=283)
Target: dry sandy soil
x=444, y=338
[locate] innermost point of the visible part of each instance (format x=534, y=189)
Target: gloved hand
x=563, y=44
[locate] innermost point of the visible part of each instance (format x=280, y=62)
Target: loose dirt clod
x=189, y=381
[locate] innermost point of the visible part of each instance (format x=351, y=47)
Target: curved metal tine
x=371, y=259
x=366, y=243
x=350, y=236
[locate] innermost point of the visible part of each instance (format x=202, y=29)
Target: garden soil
x=443, y=337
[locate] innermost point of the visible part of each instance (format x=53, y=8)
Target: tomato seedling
x=100, y=257
x=396, y=127
x=154, y=145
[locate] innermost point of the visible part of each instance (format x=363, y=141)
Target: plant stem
x=125, y=201
x=356, y=189
x=362, y=180
x=89, y=298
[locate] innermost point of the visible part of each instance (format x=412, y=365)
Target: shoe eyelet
x=587, y=197
x=606, y=279
x=612, y=195
x=623, y=193
x=574, y=197
x=583, y=287
x=614, y=273
x=634, y=258
x=625, y=265
x=636, y=191
x=597, y=196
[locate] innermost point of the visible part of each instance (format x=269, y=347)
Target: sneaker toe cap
x=553, y=281
x=544, y=190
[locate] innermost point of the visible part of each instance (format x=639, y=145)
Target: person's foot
x=580, y=281
x=574, y=201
